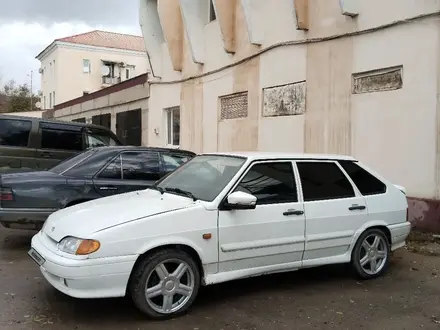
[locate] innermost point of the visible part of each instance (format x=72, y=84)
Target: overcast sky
x=28, y=26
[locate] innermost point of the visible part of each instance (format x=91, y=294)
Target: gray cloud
x=106, y=12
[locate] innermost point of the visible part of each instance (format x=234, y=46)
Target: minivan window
x=60, y=139
x=15, y=133
x=99, y=138
x=323, y=181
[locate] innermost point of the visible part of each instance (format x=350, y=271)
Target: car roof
x=55, y=121
x=282, y=155
x=141, y=148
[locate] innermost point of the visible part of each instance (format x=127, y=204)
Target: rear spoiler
x=402, y=189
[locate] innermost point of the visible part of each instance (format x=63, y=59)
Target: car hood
x=84, y=219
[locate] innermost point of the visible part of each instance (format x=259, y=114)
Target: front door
x=273, y=232
x=335, y=210
x=129, y=171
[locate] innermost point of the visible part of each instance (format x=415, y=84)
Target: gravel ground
x=408, y=297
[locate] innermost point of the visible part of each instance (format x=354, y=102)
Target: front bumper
x=86, y=278
x=24, y=218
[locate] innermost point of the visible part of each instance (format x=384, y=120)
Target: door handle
x=357, y=207
x=45, y=154
x=108, y=188
x=293, y=212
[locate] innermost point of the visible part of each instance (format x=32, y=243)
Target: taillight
x=407, y=214
x=6, y=195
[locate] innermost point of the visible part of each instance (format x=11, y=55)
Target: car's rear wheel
x=165, y=284
x=370, y=255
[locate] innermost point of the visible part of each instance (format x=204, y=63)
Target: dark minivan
x=36, y=144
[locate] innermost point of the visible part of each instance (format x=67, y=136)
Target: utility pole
x=32, y=73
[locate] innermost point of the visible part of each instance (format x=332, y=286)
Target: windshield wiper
x=182, y=192
x=159, y=189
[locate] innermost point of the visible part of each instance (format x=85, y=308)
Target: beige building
x=357, y=77
x=84, y=63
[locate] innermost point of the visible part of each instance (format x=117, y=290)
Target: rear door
x=129, y=171
x=58, y=141
x=16, y=153
x=334, y=210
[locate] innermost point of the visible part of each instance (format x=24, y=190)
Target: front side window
x=143, y=165
x=323, y=181
x=59, y=139
x=364, y=181
x=173, y=161
x=204, y=176
x=173, y=126
x=271, y=183
x=15, y=133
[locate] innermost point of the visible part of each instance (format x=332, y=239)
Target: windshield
x=203, y=176
x=98, y=138
x=69, y=162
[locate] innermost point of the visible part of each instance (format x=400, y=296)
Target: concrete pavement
x=408, y=297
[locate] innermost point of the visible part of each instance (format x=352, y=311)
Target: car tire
x=173, y=279
x=371, y=254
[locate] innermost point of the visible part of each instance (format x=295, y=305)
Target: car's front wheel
x=370, y=255
x=165, y=283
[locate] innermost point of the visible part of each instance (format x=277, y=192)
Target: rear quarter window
x=367, y=183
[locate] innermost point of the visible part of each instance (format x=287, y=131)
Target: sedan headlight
x=78, y=246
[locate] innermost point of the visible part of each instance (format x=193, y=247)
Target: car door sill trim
x=233, y=247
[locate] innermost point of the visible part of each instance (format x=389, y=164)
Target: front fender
x=171, y=240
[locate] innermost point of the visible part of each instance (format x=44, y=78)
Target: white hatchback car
x=222, y=217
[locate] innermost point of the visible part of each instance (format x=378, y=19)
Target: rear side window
x=59, y=138
x=142, y=165
x=113, y=170
x=14, y=133
x=173, y=161
x=323, y=181
x=367, y=183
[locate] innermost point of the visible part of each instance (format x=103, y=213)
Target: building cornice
x=49, y=49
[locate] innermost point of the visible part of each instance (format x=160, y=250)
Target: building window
x=173, y=126
x=53, y=98
x=212, y=15
x=44, y=102
x=50, y=100
x=86, y=66
x=234, y=106
x=85, y=93
x=127, y=73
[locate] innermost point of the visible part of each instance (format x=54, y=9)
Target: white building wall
x=395, y=132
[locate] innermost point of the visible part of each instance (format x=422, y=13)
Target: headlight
x=78, y=246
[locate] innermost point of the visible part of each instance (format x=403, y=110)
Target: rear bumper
x=24, y=218
x=399, y=233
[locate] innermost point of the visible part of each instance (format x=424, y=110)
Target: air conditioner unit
x=40, y=70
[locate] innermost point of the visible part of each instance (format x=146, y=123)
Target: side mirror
x=241, y=201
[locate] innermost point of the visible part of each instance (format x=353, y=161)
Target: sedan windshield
x=203, y=177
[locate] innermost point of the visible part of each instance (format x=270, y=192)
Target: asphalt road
x=408, y=297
